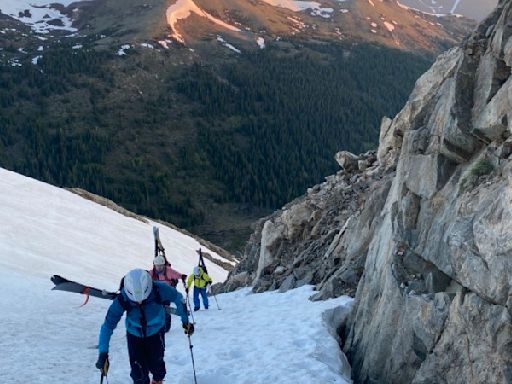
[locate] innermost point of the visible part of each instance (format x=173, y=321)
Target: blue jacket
x=154, y=313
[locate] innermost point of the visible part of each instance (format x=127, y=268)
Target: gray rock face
x=433, y=305
x=420, y=231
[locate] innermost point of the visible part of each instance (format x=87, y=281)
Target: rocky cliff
x=433, y=304
x=420, y=231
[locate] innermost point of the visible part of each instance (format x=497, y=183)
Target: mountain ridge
x=169, y=24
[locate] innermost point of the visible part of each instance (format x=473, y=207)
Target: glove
x=102, y=364
x=183, y=278
x=189, y=328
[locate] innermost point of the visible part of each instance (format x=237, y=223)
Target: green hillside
x=209, y=146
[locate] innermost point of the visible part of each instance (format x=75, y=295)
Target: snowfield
x=48, y=338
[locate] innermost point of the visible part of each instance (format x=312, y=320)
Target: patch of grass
x=482, y=168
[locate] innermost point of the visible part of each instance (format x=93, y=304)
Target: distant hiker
x=201, y=282
x=143, y=300
x=163, y=272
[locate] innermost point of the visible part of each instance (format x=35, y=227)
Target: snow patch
x=123, y=49
x=147, y=45
x=299, y=23
x=164, y=44
x=77, y=46
x=36, y=59
x=14, y=63
x=390, y=27
x=227, y=45
x=322, y=12
x=261, y=42
x=182, y=9
x=299, y=6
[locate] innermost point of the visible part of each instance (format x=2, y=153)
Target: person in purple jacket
x=143, y=300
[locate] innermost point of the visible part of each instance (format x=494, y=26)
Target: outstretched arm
x=114, y=314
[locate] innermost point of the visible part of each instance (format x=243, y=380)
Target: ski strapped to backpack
x=63, y=284
x=159, y=248
x=201, y=261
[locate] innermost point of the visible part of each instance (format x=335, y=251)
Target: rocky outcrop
x=433, y=304
x=422, y=228
x=321, y=238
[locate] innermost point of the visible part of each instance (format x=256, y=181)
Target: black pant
x=147, y=355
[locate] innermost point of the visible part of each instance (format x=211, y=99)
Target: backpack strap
x=126, y=304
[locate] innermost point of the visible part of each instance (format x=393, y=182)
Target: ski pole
x=104, y=371
x=192, y=356
x=188, y=303
x=214, y=296
x=216, y=302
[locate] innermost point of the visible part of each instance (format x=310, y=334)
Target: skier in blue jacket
x=144, y=301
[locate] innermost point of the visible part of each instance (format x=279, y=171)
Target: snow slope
x=48, y=338
x=53, y=231
x=254, y=339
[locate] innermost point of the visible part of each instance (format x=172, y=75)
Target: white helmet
x=138, y=285
x=159, y=260
x=196, y=271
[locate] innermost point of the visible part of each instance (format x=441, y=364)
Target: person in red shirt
x=163, y=272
